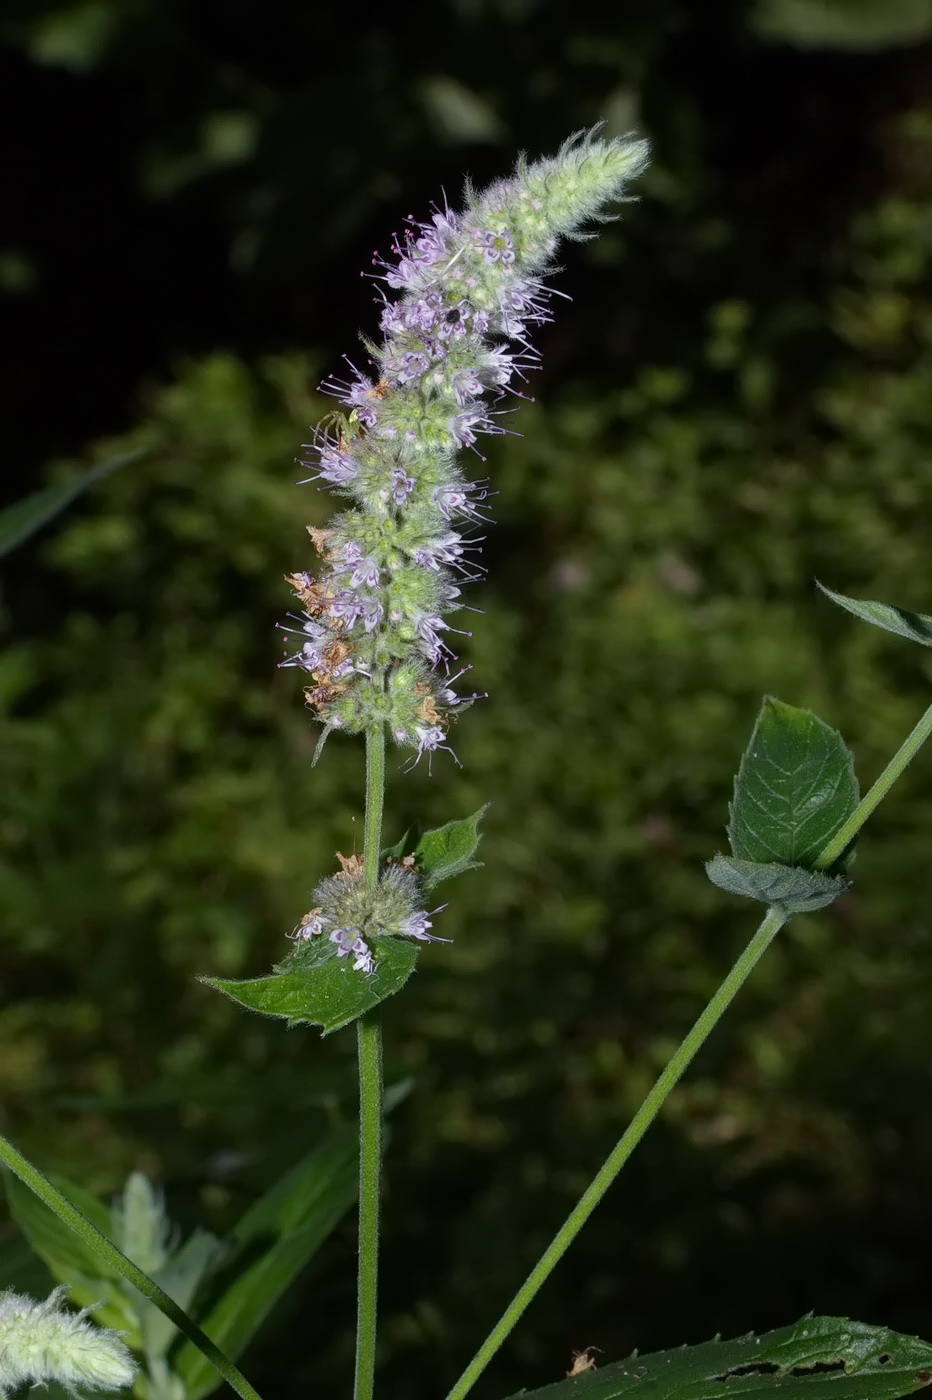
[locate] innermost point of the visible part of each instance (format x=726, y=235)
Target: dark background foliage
x=738, y=399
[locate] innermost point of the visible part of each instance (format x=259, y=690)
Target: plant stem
x=773, y=921
x=369, y=1050
x=375, y=802
x=108, y=1251
x=872, y=799
x=680, y=1060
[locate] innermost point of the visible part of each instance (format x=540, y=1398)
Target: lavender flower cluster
x=348, y=911
x=459, y=299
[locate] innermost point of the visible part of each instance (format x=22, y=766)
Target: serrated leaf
x=91, y=1281
x=449, y=850
x=821, y=1358
x=270, y=1244
x=916, y=626
x=328, y=993
x=794, y=790
x=787, y=887
x=23, y=519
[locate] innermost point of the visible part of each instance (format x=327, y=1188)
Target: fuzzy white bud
x=41, y=1342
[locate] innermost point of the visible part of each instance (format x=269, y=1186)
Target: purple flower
x=524, y=301
x=416, y=924
x=402, y=486
x=432, y=246
x=430, y=738
x=351, y=552
x=366, y=573
x=371, y=612
x=346, y=607
x=349, y=606
x=454, y=499
x=311, y=925
x=403, y=369
x=350, y=943
x=448, y=549
x=427, y=629
x=467, y=385
x=361, y=396
x=336, y=467
x=497, y=367
x=497, y=246
x=464, y=426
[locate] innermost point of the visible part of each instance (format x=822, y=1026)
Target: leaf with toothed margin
x=916, y=626
x=323, y=989
x=786, y=887
x=820, y=1358
x=794, y=790
x=448, y=850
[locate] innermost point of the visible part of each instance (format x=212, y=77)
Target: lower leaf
x=330, y=993
x=821, y=1358
x=786, y=887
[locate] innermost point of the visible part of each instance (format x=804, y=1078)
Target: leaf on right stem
x=786, y=886
x=794, y=791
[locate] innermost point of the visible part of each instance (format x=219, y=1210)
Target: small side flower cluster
x=348, y=912
x=459, y=299
x=41, y=1342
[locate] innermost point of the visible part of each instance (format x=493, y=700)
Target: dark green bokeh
x=738, y=400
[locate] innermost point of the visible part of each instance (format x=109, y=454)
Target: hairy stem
x=108, y=1251
x=369, y=1049
x=616, y=1159
x=873, y=798
x=680, y=1060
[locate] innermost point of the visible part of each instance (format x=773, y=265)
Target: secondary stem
x=651, y=1106
x=82, y=1227
x=616, y=1159
x=369, y=1049
x=872, y=799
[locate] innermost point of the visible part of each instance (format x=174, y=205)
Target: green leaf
x=91, y=1281
x=821, y=1358
x=270, y=1244
x=853, y=25
x=916, y=626
x=787, y=887
x=24, y=518
x=448, y=850
x=795, y=788
x=326, y=992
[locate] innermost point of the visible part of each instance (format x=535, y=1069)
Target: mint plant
x=459, y=299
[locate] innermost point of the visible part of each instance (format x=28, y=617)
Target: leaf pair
x=795, y=792
x=325, y=990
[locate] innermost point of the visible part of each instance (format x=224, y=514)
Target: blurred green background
x=737, y=400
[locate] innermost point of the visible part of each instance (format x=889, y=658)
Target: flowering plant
x=459, y=299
